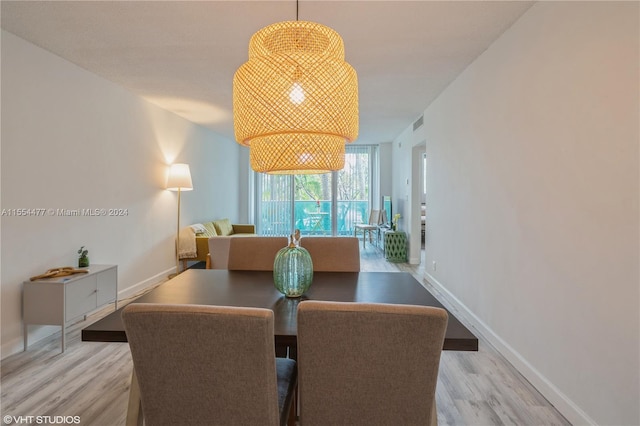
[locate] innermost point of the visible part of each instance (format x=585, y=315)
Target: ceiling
x=181, y=55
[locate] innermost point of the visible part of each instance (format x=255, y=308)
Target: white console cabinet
x=59, y=301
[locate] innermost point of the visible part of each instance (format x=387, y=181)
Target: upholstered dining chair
x=368, y=364
x=208, y=365
x=255, y=253
x=333, y=254
x=368, y=228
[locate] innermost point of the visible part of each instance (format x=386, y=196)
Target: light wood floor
x=91, y=380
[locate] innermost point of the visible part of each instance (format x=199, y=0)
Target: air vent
x=418, y=123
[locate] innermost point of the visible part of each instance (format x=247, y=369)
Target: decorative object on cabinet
x=394, y=222
x=63, y=271
x=83, y=259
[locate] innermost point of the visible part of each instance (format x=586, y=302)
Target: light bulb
x=296, y=95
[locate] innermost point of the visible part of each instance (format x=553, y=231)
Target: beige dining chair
x=368, y=364
x=254, y=253
x=333, y=254
x=208, y=365
x=368, y=228
x=257, y=254
x=218, y=256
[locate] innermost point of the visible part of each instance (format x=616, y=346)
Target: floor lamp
x=179, y=180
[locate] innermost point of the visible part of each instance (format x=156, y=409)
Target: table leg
x=134, y=411
x=434, y=413
x=293, y=353
x=63, y=337
x=293, y=411
x=26, y=336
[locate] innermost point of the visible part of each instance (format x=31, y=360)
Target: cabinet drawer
x=80, y=297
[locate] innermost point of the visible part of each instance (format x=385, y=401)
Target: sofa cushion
x=223, y=227
x=210, y=230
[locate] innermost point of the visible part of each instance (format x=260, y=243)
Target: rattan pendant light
x=295, y=102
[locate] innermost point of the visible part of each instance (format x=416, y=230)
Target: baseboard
x=560, y=401
x=16, y=345
x=143, y=285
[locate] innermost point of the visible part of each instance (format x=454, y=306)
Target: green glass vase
x=293, y=270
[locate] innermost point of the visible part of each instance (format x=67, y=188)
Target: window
x=322, y=204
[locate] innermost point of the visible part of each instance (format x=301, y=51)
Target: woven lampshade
x=303, y=153
x=295, y=102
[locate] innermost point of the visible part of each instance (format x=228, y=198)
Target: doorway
x=418, y=188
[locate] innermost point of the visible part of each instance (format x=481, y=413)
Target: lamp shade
x=295, y=102
x=179, y=178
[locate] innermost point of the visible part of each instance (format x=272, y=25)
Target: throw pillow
x=223, y=227
x=211, y=230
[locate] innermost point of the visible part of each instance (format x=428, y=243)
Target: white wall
x=72, y=140
x=533, y=202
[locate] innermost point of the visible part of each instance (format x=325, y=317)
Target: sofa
x=201, y=232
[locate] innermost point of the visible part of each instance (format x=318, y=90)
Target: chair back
x=383, y=218
x=255, y=253
x=218, y=257
x=333, y=254
x=374, y=217
x=368, y=364
x=200, y=365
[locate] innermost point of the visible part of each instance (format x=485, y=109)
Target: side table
x=58, y=301
x=395, y=246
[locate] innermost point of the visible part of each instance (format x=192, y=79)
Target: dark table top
x=256, y=289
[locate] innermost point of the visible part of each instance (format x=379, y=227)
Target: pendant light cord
x=296, y=10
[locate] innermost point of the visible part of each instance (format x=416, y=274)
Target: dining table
x=256, y=289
